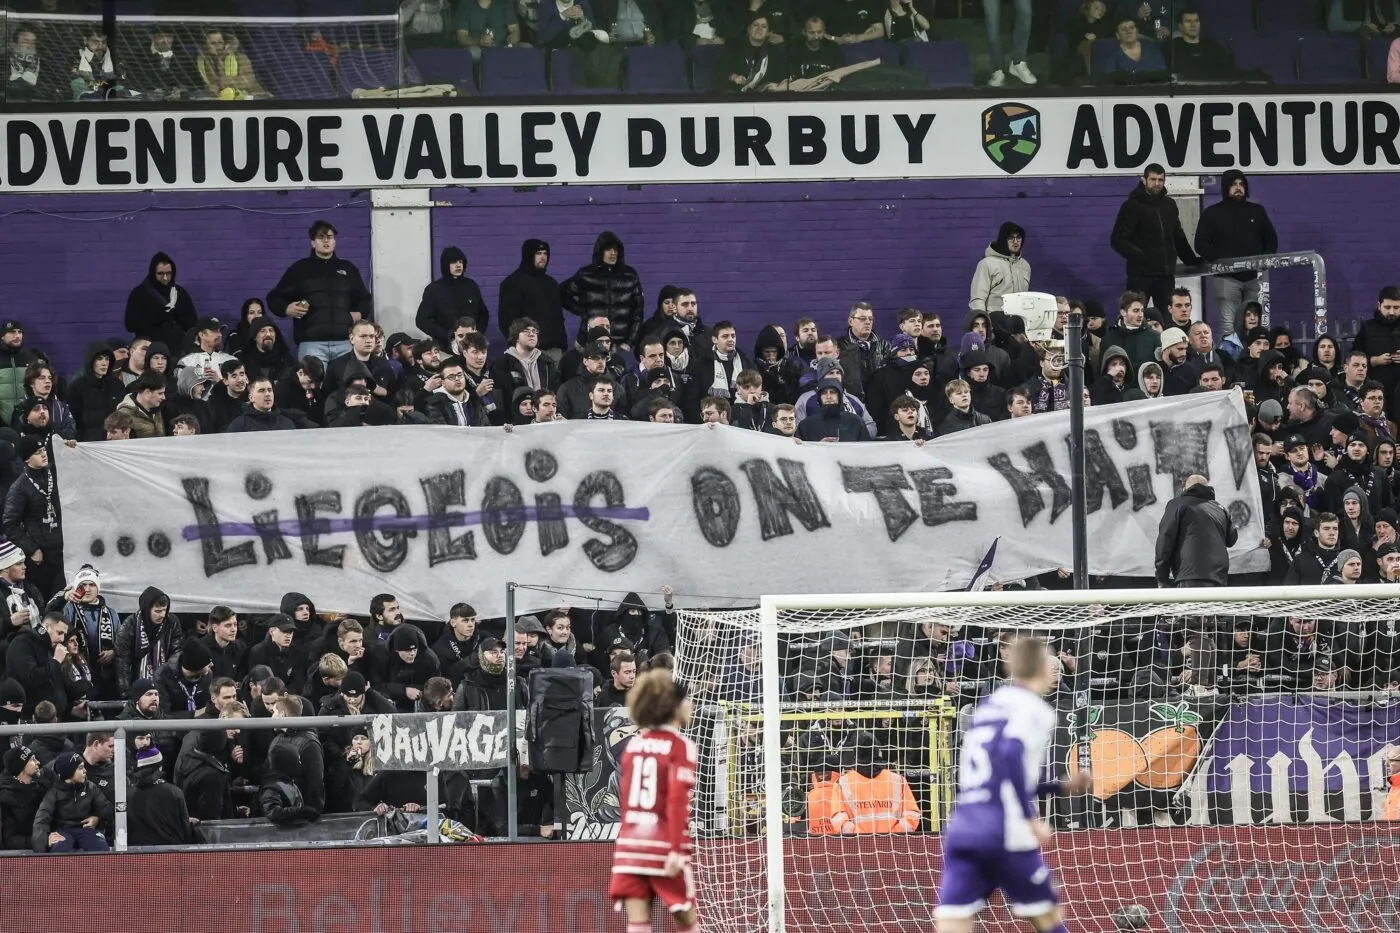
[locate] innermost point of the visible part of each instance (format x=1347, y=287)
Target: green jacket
x=12, y=366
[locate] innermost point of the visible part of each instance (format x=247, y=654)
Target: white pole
x=772, y=759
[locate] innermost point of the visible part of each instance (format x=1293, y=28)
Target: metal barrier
x=1266, y=264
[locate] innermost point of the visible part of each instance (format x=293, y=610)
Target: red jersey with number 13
x=658, y=774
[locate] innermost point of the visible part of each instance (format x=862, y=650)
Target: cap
x=528, y=625
x=1270, y=411
x=1295, y=441
x=11, y=324
x=490, y=643
x=398, y=339
x=208, y=323
x=595, y=351
x=282, y=622
x=353, y=685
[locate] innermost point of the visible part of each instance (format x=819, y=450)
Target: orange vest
x=823, y=800
x=880, y=804
x=1392, y=800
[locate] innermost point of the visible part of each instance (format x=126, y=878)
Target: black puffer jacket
x=1194, y=538
x=533, y=293
x=614, y=290
x=1230, y=228
x=277, y=362
x=151, y=312
x=1148, y=234
x=450, y=298
x=29, y=660
x=65, y=806
x=19, y=802
x=25, y=510
x=333, y=287
x=91, y=398
x=250, y=419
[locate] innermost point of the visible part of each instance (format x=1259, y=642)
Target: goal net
x=1242, y=743
x=68, y=57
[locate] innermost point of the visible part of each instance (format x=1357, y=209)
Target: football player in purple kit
x=995, y=832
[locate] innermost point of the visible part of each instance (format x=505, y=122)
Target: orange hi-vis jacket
x=870, y=805
x=1392, y=800
x=823, y=800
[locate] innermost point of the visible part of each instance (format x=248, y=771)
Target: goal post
x=1236, y=734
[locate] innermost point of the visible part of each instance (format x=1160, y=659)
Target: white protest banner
x=435, y=145
x=438, y=514
x=447, y=741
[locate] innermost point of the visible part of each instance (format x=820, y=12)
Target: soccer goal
x=1242, y=742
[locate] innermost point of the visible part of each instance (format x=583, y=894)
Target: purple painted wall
x=754, y=253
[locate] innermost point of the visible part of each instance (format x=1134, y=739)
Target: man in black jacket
x=1379, y=338
x=1194, y=538
x=311, y=781
x=20, y=794
x=158, y=309
x=1148, y=235
x=451, y=298
x=607, y=285
x=323, y=295
x=32, y=516
x=34, y=658
x=157, y=814
x=1234, y=226
x=262, y=414
x=530, y=291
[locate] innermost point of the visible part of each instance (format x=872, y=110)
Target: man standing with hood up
x=451, y=298
x=607, y=285
x=1003, y=271
x=1234, y=226
x=158, y=309
x=530, y=291
x=1148, y=235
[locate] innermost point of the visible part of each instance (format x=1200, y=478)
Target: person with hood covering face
x=779, y=368
x=1148, y=235
x=1003, y=271
x=266, y=352
x=832, y=421
x=158, y=309
x=647, y=632
x=401, y=666
x=530, y=291
x=1113, y=383
x=95, y=392
x=149, y=637
x=450, y=298
x=1234, y=226
x=607, y=285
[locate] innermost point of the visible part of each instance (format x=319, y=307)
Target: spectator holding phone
x=324, y=296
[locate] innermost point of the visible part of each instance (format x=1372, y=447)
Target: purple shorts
x=971, y=875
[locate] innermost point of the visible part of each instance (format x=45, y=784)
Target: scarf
x=228, y=67
x=19, y=601
x=925, y=423
x=104, y=69
x=530, y=362
x=1050, y=396
x=757, y=61
x=46, y=489
x=25, y=67
x=95, y=618
x=1381, y=426
x=152, y=651
x=681, y=361
x=1306, y=481
x=594, y=416
x=726, y=372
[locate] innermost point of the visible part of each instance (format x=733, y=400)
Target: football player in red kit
x=652, y=858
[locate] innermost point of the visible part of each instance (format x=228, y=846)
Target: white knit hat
x=10, y=554
x=87, y=573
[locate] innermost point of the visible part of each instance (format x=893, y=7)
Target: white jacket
x=996, y=275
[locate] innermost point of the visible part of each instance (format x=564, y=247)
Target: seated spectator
x=816, y=53
x=266, y=352
x=1153, y=17
x=1367, y=19
x=1135, y=56
x=73, y=814
x=832, y=422
x=32, y=77
x=21, y=792
x=486, y=23
x=226, y=72
x=426, y=23
x=695, y=22
x=156, y=811
x=1088, y=24
x=1196, y=58
x=94, y=69
x=904, y=23
x=166, y=70
x=280, y=797
x=571, y=24
x=632, y=22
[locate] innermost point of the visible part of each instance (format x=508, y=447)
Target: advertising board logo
x=1011, y=135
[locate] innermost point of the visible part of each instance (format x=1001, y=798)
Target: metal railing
x=1267, y=264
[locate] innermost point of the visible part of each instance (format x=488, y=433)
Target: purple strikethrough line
x=295, y=527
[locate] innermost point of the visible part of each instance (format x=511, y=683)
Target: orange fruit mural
x=1160, y=760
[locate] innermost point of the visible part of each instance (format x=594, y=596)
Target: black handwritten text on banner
x=427, y=146
x=437, y=515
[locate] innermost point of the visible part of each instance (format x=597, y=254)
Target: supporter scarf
x=1306, y=481
x=724, y=381
x=228, y=67
x=1050, y=396
x=104, y=69
x=151, y=649
x=681, y=361
x=1379, y=425
x=96, y=615
x=25, y=68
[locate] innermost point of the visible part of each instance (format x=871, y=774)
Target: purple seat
x=513, y=71
x=566, y=77
x=294, y=75
x=1329, y=60
x=1277, y=58
x=1377, y=58
x=947, y=63
x=446, y=66
x=656, y=69
x=886, y=52
x=1292, y=18
x=704, y=59
x=373, y=69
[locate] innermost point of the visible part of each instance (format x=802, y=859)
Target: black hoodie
x=533, y=293
x=1230, y=228
x=450, y=298
x=614, y=290
x=158, y=815
x=161, y=642
x=1148, y=234
x=780, y=377
x=91, y=397
x=276, y=363
x=160, y=312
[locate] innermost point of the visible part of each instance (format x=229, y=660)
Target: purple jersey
x=999, y=772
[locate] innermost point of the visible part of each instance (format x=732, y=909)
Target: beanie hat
x=1350, y=494
x=970, y=341
x=64, y=766
x=11, y=692
x=1270, y=411
x=140, y=688
x=28, y=445
x=150, y=755
x=353, y=685
x=1296, y=514
x=284, y=758
x=194, y=655
x=825, y=367
x=87, y=573
x=1346, y=422
x=903, y=341
x=1359, y=436
x=403, y=639
x=16, y=758
x=9, y=554
x=1345, y=556
x=1390, y=517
